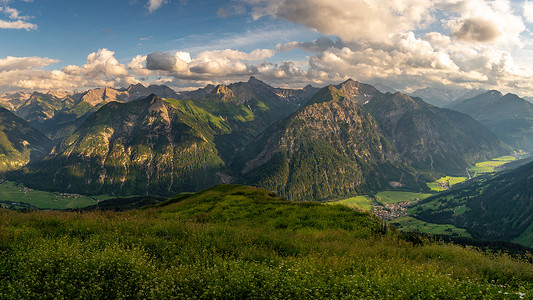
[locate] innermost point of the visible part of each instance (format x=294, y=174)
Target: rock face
x=19, y=142
x=357, y=92
x=330, y=148
x=508, y=116
x=431, y=138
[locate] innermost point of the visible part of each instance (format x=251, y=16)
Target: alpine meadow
x=266, y=149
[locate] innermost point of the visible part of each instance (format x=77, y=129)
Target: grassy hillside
x=240, y=242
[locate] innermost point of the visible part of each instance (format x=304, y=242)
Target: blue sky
x=406, y=44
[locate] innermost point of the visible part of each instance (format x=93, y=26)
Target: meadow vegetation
x=241, y=242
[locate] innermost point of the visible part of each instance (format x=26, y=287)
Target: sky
x=186, y=44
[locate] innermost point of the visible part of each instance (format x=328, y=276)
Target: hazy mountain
x=14, y=100
x=443, y=97
x=59, y=114
x=508, y=116
x=431, y=138
x=383, y=88
x=328, y=149
x=498, y=206
x=19, y=142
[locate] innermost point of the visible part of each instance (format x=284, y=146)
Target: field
x=526, y=238
x=361, y=202
x=415, y=225
x=234, y=242
x=444, y=183
x=393, y=197
x=491, y=165
x=16, y=195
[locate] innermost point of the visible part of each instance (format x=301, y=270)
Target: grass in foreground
x=239, y=242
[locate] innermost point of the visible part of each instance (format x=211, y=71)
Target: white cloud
x=18, y=21
x=101, y=70
x=99, y=64
x=528, y=11
x=154, y=5
x=484, y=21
x=351, y=20
x=21, y=63
x=17, y=25
x=206, y=65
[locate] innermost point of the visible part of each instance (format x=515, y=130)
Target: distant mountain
x=328, y=149
x=59, y=114
x=497, y=207
x=14, y=100
x=432, y=138
x=508, y=116
x=443, y=97
x=383, y=88
x=19, y=142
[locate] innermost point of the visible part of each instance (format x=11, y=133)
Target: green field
x=361, y=202
x=490, y=165
x=412, y=224
x=12, y=192
x=393, y=197
x=439, y=184
x=526, y=238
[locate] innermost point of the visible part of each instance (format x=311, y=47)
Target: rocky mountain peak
x=357, y=92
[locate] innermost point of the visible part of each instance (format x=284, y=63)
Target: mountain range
x=508, y=116
x=445, y=97
x=306, y=144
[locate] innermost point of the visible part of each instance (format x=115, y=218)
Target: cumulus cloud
x=388, y=40
x=154, y=5
x=100, y=70
x=206, y=65
x=17, y=21
x=483, y=21
x=21, y=63
x=318, y=45
x=99, y=64
x=528, y=11
x=351, y=20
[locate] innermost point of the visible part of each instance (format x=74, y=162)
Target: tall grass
x=239, y=242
